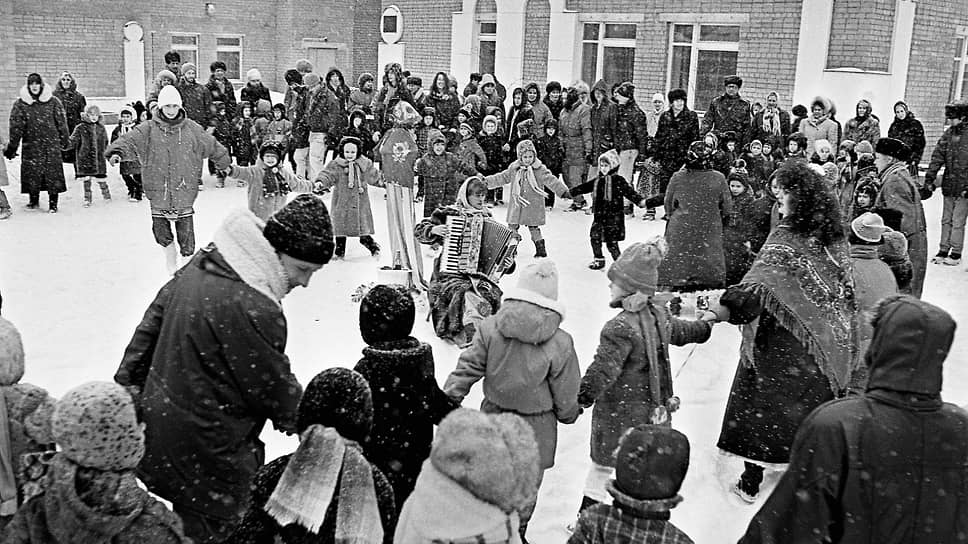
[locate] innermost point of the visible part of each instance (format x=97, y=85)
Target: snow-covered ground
x=77, y=283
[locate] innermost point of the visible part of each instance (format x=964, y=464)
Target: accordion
x=477, y=244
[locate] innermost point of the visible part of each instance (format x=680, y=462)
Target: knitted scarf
x=771, y=122
x=525, y=174
x=354, y=173
x=8, y=482
x=808, y=289
x=273, y=184
x=641, y=305
x=308, y=485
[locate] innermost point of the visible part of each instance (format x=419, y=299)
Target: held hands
x=673, y=404
x=10, y=153
x=716, y=314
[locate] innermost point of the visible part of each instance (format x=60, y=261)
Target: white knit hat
x=658, y=97
x=169, y=96
x=538, y=284
x=253, y=74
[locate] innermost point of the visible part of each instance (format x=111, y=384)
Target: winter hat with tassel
x=637, y=268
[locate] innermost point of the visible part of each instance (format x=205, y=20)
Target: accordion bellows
x=477, y=244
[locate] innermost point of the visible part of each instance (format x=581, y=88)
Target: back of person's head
x=11, y=354
x=637, y=269
x=172, y=56
x=814, y=209
x=492, y=456
x=96, y=426
x=387, y=313
x=293, y=76
x=651, y=462
x=303, y=230
x=338, y=398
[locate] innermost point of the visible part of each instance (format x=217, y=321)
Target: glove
x=673, y=404
x=926, y=191
x=585, y=398
x=318, y=188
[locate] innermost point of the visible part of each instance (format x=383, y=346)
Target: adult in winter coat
x=170, y=148
x=73, y=102
x=208, y=366
x=446, y=103
x=603, y=118
x=327, y=490
x=772, y=124
x=698, y=204
x=520, y=112
x=196, y=98
x=407, y=402
x=394, y=90
x=575, y=130
x=90, y=492
x=678, y=128
x=887, y=466
x=797, y=307
x=37, y=121
x=540, y=111
x=820, y=125
x=951, y=153
x=489, y=95
x=865, y=126
x=362, y=96
x=222, y=89
x=631, y=129
x=254, y=90
x=899, y=192
x=908, y=129
x=729, y=112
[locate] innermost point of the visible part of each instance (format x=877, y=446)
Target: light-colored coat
x=900, y=192
x=351, y=205
x=263, y=205
x=530, y=209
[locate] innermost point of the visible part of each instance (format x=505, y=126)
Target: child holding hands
x=348, y=175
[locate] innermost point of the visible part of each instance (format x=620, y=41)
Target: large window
x=228, y=49
x=487, y=52
x=607, y=52
x=959, y=78
x=187, y=47
x=700, y=56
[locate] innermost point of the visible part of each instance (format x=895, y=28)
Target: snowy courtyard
x=77, y=283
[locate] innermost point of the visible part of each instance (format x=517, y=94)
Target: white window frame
x=181, y=47
x=962, y=58
x=603, y=42
x=696, y=46
x=232, y=49
x=480, y=38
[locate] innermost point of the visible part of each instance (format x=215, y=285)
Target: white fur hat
x=538, y=284
x=253, y=74
x=169, y=96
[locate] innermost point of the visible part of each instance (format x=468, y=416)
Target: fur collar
x=45, y=95
x=245, y=249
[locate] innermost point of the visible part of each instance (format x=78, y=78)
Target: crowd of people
x=814, y=231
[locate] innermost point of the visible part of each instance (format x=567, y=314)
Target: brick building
x=881, y=50
x=87, y=37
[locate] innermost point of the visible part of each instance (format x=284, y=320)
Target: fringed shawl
x=808, y=289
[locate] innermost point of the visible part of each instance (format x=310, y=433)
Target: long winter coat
x=531, y=214
x=197, y=102
x=88, y=142
x=631, y=131
x=472, y=155
x=888, y=466
x=170, y=153
x=603, y=118
x=911, y=132
x=257, y=527
x=824, y=128
x=223, y=91
x=618, y=380
x=575, y=130
x=74, y=103
x=262, y=202
x=866, y=129
x=529, y=367
x=729, y=113
x=253, y=93
x=438, y=176
x=350, y=210
x=608, y=205
x=900, y=192
x=209, y=358
x=951, y=153
x=873, y=280
x=446, y=105
x=697, y=203
x=407, y=403
x=41, y=127
x=673, y=137
x=542, y=114
x=736, y=234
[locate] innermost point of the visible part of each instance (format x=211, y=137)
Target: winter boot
x=539, y=248
x=940, y=257
x=953, y=259
x=88, y=196
x=52, y=202
x=34, y=201
x=105, y=192
x=340, y=250
x=748, y=486
x=369, y=243
x=171, y=258
x=597, y=264
x=5, y=213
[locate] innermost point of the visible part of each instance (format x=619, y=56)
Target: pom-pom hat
x=637, y=268
x=538, y=284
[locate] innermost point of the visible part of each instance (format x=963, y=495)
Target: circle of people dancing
x=815, y=234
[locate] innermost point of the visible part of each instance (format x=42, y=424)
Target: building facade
x=880, y=50
x=113, y=47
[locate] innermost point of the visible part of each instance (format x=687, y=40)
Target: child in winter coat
x=823, y=154
x=492, y=142
x=357, y=128
x=407, y=402
x=348, y=175
x=279, y=130
x=470, y=153
x=759, y=165
x=327, y=490
x=737, y=233
x=630, y=379
x=130, y=170
x=551, y=153
x=89, y=491
x=244, y=148
x=651, y=464
x=260, y=124
x=438, y=170
x=88, y=142
x=171, y=152
x=27, y=409
x=864, y=198
x=528, y=363
x=528, y=179
x=270, y=181
x=428, y=122
x=610, y=191
x=224, y=134
x=466, y=491
x=796, y=147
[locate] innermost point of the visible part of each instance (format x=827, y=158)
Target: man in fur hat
x=899, y=191
x=729, y=112
x=208, y=367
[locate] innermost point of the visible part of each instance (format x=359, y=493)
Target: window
x=187, y=47
x=861, y=35
x=959, y=77
x=487, y=53
x=607, y=52
x=228, y=49
x=700, y=56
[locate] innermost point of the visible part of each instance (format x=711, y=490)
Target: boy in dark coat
x=630, y=380
x=88, y=142
x=224, y=134
x=438, y=170
x=737, y=233
x=611, y=190
x=243, y=149
x=131, y=169
x=551, y=153
x=492, y=142
x=470, y=152
x=652, y=461
x=407, y=402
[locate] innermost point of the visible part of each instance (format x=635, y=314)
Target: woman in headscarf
x=910, y=131
x=865, y=126
x=797, y=309
x=74, y=104
x=697, y=204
